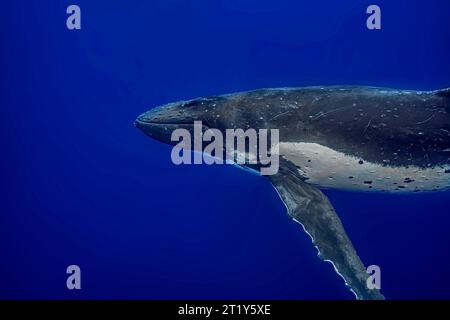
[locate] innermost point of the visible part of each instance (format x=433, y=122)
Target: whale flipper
x=309, y=206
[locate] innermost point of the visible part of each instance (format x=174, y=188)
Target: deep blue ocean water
x=80, y=185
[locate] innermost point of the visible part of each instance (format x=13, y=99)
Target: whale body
x=342, y=137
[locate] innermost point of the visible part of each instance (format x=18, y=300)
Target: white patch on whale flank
x=328, y=168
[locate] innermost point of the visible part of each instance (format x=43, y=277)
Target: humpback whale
x=352, y=138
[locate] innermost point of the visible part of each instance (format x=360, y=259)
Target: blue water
x=80, y=185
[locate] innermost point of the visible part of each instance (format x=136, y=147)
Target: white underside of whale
x=328, y=168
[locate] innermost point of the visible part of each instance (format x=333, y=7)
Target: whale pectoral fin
x=309, y=206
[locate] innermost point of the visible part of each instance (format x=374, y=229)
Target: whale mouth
x=142, y=124
x=160, y=115
x=159, y=123
x=162, y=132
x=151, y=119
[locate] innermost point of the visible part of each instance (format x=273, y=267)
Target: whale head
x=159, y=123
x=258, y=109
